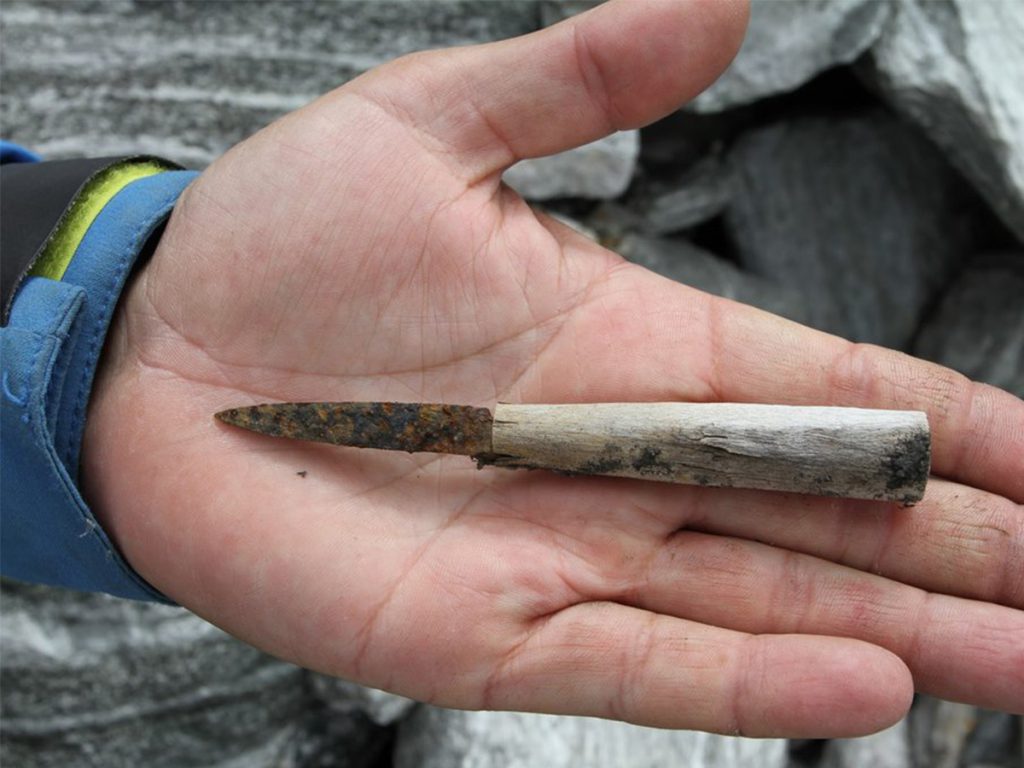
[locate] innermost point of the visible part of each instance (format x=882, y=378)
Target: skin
x=364, y=248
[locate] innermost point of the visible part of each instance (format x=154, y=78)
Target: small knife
x=849, y=452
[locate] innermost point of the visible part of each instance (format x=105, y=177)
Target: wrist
x=59, y=321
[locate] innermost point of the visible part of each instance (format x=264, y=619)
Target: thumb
x=621, y=65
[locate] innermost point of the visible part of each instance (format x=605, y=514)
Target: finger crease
x=594, y=80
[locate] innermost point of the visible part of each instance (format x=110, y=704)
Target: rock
x=188, y=80
x=939, y=731
x=949, y=735
x=806, y=753
x=701, y=193
x=599, y=170
x=788, y=43
x=956, y=68
x=344, y=698
x=886, y=749
x=94, y=680
x=440, y=738
x=686, y=263
x=859, y=213
x=554, y=11
x=668, y=203
x=978, y=326
x=995, y=741
x=333, y=741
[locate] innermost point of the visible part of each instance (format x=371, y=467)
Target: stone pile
x=860, y=168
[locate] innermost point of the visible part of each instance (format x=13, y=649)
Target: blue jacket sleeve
x=50, y=348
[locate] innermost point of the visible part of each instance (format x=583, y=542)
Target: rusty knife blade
x=412, y=427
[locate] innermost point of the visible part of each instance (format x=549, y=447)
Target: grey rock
x=440, y=738
x=684, y=262
x=668, y=203
x=613, y=220
x=90, y=679
x=956, y=68
x=859, y=213
x=331, y=740
x=344, y=698
x=978, y=326
x=682, y=140
x=997, y=740
x=599, y=170
x=701, y=193
x=886, y=749
x=939, y=731
x=554, y=11
x=788, y=42
x=949, y=735
x=93, y=680
x=187, y=80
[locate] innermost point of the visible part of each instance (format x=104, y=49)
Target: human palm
x=364, y=248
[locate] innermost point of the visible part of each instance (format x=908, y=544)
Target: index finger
x=977, y=430
x=682, y=344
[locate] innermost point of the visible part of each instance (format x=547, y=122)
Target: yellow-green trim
x=100, y=190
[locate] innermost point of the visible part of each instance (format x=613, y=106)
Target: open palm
x=364, y=248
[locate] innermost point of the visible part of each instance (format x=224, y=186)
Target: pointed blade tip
x=233, y=416
x=411, y=427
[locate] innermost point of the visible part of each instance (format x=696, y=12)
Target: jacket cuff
x=51, y=346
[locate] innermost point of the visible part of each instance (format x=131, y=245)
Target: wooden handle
x=850, y=452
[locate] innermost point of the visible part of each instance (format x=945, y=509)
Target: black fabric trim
x=33, y=200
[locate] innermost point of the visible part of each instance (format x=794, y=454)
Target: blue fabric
x=50, y=349
x=14, y=153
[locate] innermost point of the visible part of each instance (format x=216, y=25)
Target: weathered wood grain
x=849, y=452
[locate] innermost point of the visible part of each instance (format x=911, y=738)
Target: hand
x=364, y=248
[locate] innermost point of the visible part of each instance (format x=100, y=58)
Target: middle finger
x=956, y=648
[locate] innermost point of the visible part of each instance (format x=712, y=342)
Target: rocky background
x=860, y=168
